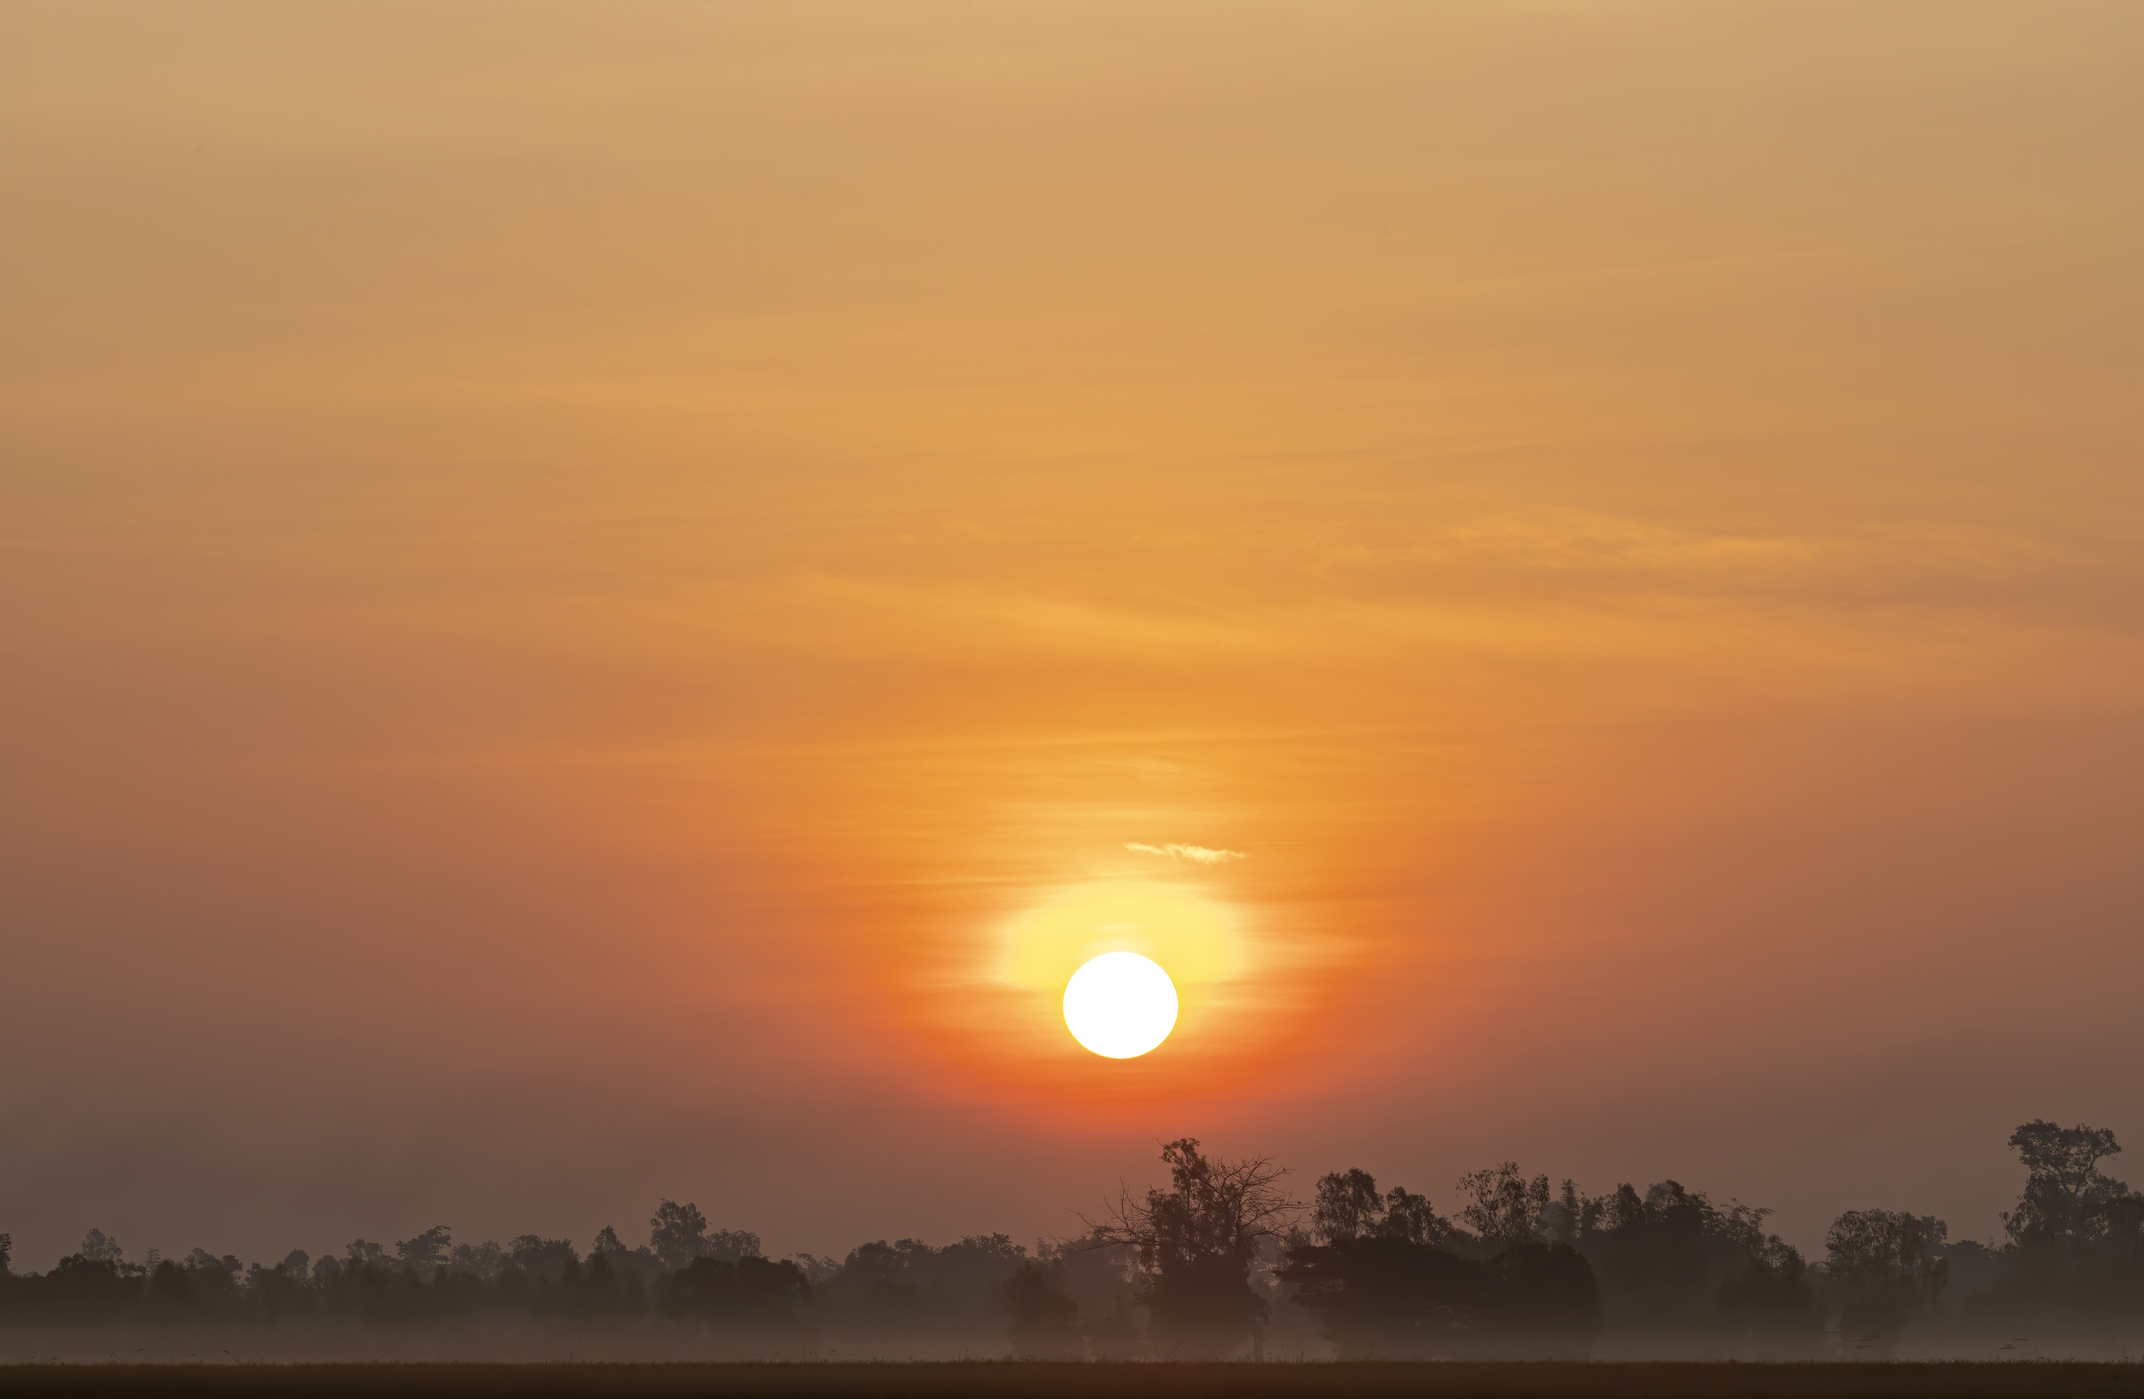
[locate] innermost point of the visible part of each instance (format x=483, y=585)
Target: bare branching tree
x=1197, y=1241
x=1214, y=1208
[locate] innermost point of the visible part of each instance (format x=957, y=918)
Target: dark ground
x=970, y=1380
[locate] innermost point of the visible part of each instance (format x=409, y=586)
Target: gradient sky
x=576, y=581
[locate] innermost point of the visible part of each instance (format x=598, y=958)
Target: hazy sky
x=577, y=581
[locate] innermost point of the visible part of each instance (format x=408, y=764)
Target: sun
x=1120, y=1005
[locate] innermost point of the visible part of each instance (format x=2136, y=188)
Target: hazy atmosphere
x=600, y=604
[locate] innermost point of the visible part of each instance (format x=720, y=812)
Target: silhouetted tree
x=752, y=1302
x=281, y=1293
x=81, y=1289
x=478, y=1260
x=1378, y=1273
x=1103, y=1278
x=1409, y=1217
x=1045, y=1319
x=545, y=1260
x=428, y=1251
x=678, y=1234
x=1546, y=1302
x=2065, y=1191
x=2074, y=1245
x=1887, y=1268
x=169, y=1299
x=637, y=1270
x=98, y=1247
x=908, y=1298
x=1767, y=1303
x=1393, y=1297
x=1671, y=1264
x=1197, y=1241
x=1654, y=1252
x=1347, y=1206
x=1503, y=1207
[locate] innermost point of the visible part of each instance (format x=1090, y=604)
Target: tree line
x=1223, y=1261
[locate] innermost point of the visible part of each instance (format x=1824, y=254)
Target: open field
x=1033, y=1380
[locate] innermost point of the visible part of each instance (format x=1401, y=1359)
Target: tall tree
x=1347, y=1206
x=2076, y=1253
x=1888, y=1267
x=2066, y=1194
x=428, y=1251
x=1503, y=1206
x=100, y=1247
x=1197, y=1241
x=677, y=1234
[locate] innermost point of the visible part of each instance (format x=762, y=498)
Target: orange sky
x=568, y=577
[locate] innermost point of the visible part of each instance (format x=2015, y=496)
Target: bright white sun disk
x=1120, y=1005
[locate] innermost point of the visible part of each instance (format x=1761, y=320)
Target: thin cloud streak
x=1199, y=853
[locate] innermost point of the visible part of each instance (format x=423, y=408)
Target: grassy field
x=2028, y=1380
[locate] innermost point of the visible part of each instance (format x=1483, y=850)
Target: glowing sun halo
x=1120, y=1005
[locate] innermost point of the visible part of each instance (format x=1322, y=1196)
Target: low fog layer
x=1224, y=1263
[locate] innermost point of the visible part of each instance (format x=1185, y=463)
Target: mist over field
x=1222, y=1263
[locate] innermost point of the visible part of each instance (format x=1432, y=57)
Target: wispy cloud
x=1199, y=853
